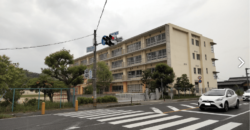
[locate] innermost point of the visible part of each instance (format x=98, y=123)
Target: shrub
x=239, y=92
x=32, y=102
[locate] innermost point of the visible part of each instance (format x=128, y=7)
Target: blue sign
x=90, y=49
x=90, y=74
x=114, y=33
x=200, y=81
x=103, y=41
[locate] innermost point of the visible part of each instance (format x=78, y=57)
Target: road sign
x=90, y=74
x=114, y=33
x=200, y=81
x=199, y=77
x=90, y=49
x=119, y=39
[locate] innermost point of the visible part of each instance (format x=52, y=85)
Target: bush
x=239, y=92
x=105, y=99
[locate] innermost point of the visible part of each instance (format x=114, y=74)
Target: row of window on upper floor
x=199, y=72
x=198, y=58
x=197, y=44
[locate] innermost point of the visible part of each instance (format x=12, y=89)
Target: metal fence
x=126, y=97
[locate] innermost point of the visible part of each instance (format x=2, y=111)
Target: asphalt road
x=177, y=115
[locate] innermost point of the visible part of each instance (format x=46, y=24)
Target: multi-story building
x=187, y=52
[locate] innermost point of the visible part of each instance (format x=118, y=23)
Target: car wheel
x=202, y=109
x=226, y=107
x=237, y=104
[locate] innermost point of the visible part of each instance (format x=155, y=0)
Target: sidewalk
x=100, y=106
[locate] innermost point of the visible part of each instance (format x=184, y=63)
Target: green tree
x=183, y=84
x=164, y=72
x=45, y=81
x=146, y=80
x=59, y=68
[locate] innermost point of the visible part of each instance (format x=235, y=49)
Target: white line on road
x=110, y=115
x=199, y=125
x=173, y=108
x=73, y=127
x=194, y=103
x=245, y=103
x=237, y=115
x=207, y=113
x=228, y=126
x=151, y=121
x=187, y=106
x=115, y=118
x=156, y=110
x=105, y=114
x=136, y=119
x=167, y=125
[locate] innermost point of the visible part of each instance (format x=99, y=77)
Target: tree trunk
x=68, y=95
x=50, y=97
x=44, y=95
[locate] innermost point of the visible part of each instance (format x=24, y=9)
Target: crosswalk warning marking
x=207, y=113
x=115, y=118
x=73, y=113
x=136, y=119
x=156, y=110
x=110, y=115
x=93, y=115
x=194, y=104
x=228, y=126
x=199, y=125
x=173, y=108
x=151, y=121
x=167, y=125
x=187, y=106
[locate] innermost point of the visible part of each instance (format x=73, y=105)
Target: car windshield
x=215, y=93
x=248, y=91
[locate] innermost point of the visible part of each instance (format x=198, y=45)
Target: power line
x=16, y=48
x=101, y=15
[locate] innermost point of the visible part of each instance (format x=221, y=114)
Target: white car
x=219, y=99
x=246, y=95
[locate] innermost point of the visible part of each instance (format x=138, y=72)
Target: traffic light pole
x=94, y=72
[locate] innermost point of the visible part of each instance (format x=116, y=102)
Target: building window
x=117, y=52
x=207, y=70
x=208, y=84
x=117, y=64
x=155, y=39
x=192, y=41
x=135, y=88
x=134, y=74
x=199, y=70
x=103, y=56
x=134, y=60
x=205, y=57
x=194, y=70
x=91, y=60
x=106, y=89
x=193, y=56
x=212, y=48
x=204, y=44
x=215, y=76
x=76, y=64
x=198, y=56
x=117, y=88
x=134, y=47
x=84, y=62
x=213, y=62
x=197, y=43
x=156, y=55
x=117, y=76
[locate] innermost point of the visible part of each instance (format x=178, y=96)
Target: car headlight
x=219, y=99
x=200, y=99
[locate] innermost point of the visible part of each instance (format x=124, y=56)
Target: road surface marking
x=245, y=103
x=115, y=118
x=180, y=110
x=136, y=119
x=105, y=114
x=74, y=113
x=194, y=103
x=96, y=114
x=173, y=108
x=73, y=127
x=199, y=125
x=167, y=125
x=237, y=115
x=151, y=121
x=108, y=115
x=207, y=113
x=156, y=110
x=187, y=106
x=228, y=126
x=240, y=104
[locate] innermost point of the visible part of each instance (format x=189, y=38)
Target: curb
x=121, y=105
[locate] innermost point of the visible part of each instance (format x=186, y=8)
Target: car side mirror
x=229, y=95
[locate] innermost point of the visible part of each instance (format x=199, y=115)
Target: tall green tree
x=59, y=67
x=164, y=72
x=103, y=74
x=146, y=80
x=45, y=81
x=183, y=84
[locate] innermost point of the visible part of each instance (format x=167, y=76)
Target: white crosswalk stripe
x=173, y=108
x=194, y=104
x=245, y=103
x=228, y=126
x=151, y=121
x=136, y=119
x=171, y=124
x=156, y=110
x=187, y=106
x=199, y=125
x=116, y=117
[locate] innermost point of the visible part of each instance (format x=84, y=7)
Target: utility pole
x=94, y=72
x=247, y=78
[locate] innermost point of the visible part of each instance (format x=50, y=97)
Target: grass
x=41, y=95
x=5, y=116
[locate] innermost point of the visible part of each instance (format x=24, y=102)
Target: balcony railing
x=154, y=43
x=158, y=58
x=134, y=62
x=117, y=66
x=119, y=53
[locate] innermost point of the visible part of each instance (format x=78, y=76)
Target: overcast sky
x=26, y=23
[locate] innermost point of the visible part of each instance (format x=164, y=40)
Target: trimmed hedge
x=84, y=100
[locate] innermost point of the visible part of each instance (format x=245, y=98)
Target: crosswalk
x=149, y=120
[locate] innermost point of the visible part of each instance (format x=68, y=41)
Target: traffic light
x=108, y=40
x=86, y=73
